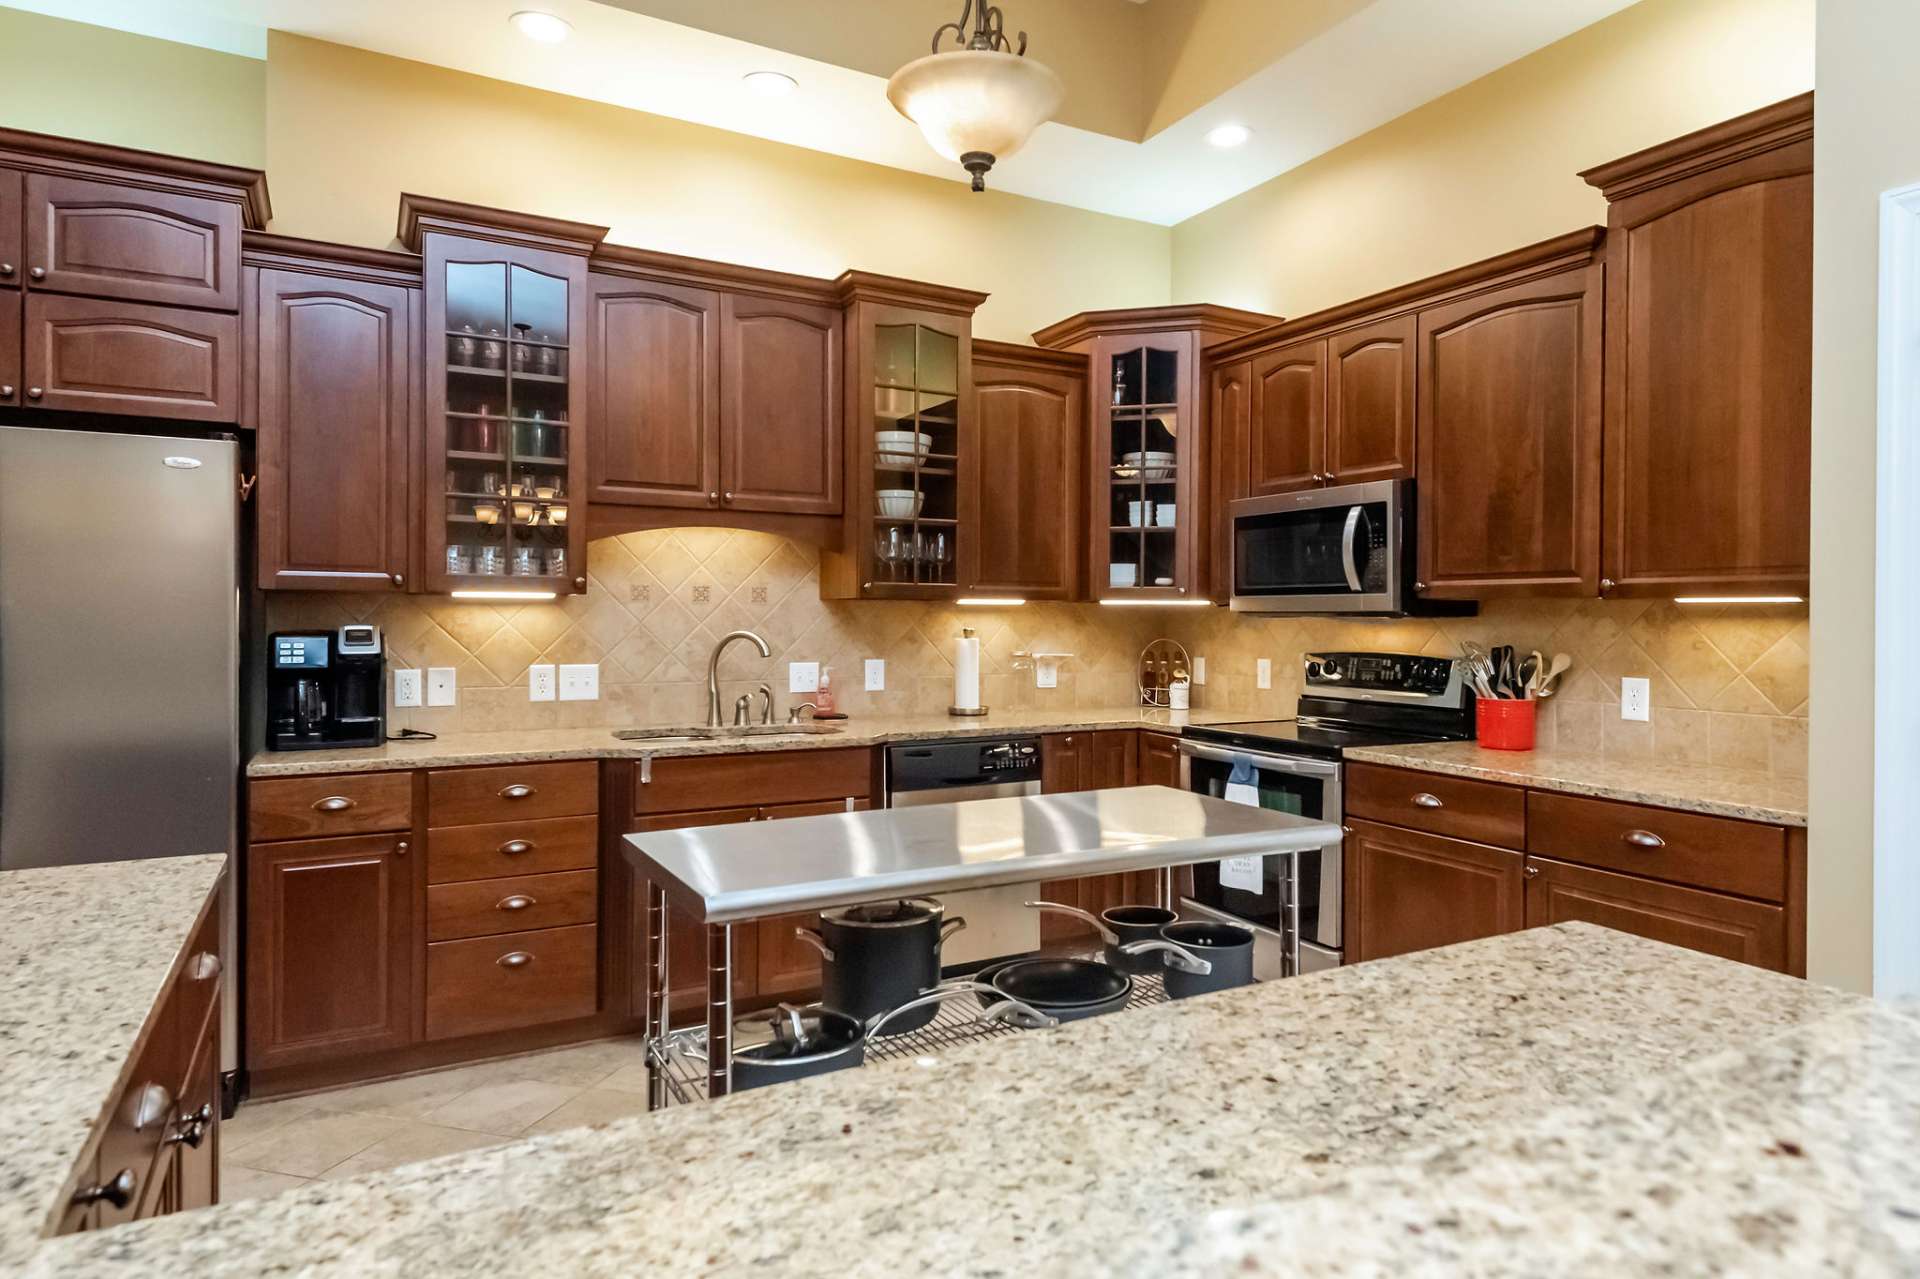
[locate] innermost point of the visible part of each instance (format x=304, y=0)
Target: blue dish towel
x=1243, y=783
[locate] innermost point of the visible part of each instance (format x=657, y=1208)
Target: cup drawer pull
x=1644, y=839
x=332, y=804
x=519, y=901
x=514, y=959
x=514, y=847
x=518, y=790
x=1424, y=800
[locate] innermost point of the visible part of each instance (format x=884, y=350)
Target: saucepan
x=1119, y=925
x=1201, y=956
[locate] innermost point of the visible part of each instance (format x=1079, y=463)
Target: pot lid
x=891, y=914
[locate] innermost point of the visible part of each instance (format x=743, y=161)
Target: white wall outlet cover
x=1199, y=670
x=1636, y=697
x=1046, y=675
x=406, y=688
x=876, y=675
x=803, y=677
x=440, y=686
x=540, y=682
x=580, y=682
x=1263, y=673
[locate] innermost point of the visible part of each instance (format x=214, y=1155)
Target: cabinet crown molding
x=127, y=166
x=1220, y=322
x=420, y=214
x=1020, y=355
x=705, y=273
x=1757, y=132
x=865, y=286
x=291, y=253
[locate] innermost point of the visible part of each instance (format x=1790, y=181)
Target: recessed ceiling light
x=1225, y=136
x=770, y=84
x=544, y=27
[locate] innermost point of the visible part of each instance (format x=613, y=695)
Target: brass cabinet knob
x=34, y=393
x=6, y=390
x=1424, y=800
x=579, y=583
x=514, y=847
x=514, y=959
x=713, y=498
x=519, y=790
x=399, y=580
x=519, y=901
x=400, y=848
x=727, y=496
x=1606, y=583
x=37, y=273
x=1419, y=586
x=332, y=804
x=1644, y=839
x=1531, y=871
x=6, y=269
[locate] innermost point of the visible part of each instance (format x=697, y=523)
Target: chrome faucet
x=713, y=671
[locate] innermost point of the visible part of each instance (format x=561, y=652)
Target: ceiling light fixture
x=1228, y=136
x=547, y=28
x=981, y=102
x=770, y=84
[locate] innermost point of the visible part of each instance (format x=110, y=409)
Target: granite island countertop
x=455, y=749
x=1694, y=788
x=1539, y=1087
x=85, y=953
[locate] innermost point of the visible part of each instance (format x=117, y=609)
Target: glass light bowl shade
x=971, y=102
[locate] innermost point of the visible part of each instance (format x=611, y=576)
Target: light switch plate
x=406, y=688
x=803, y=677
x=440, y=687
x=876, y=675
x=540, y=682
x=1199, y=670
x=1636, y=697
x=580, y=682
x=1263, y=673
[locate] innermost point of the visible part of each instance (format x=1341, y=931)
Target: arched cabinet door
x=780, y=410
x=653, y=397
x=1286, y=431
x=1370, y=372
x=1025, y=473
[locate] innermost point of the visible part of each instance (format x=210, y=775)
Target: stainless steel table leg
x=1291, y=882
x=719, y=1010
x=654, y=974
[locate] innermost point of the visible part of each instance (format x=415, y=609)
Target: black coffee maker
x=325, y=689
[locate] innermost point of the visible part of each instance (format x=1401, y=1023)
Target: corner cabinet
x=505, y=439
x=910, y=431
x=1025, y=480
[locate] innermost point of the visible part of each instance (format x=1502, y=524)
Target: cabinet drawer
x=484, y=907
x=791, y=777
x=456, y=853
x=520, y=979
x=1711, y=923
x=141, y=1115
x=201, y=968
x=511, y=792
x=1485, y=812
x=1719, y=853
x=344, y=804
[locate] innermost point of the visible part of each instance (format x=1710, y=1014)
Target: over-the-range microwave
x=1347, y=550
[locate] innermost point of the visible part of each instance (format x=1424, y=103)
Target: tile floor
x=271, y=1146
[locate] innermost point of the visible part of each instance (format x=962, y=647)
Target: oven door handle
x=1261, y=759
x=1347, y=534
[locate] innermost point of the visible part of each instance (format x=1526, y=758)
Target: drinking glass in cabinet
x=459, y=560
x=526, y=561
x=557, y=562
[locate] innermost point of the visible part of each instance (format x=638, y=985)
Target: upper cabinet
x=1149, y=475
x=334, y=342
x=1709, y=358
x=653, y=394
x=114, y=240
x=505, y=320
x=1025, y=478
x=1370, y=403
x=11, y=243
x=780, y=406
x=1286, y=443
x=911, y=427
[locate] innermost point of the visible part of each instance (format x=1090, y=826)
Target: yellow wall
x=1493, y=165
x=82, y=81
x=348, y=131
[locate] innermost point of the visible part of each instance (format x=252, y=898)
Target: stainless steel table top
x=722, y=874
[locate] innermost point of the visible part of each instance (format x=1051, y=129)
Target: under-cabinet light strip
x=990, y=601
x=1739, y=599
x=1158, y=603
x=503, y=595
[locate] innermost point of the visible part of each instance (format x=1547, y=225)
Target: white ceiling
x=1386, y=59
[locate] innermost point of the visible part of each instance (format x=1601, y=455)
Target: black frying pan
x=1069, y=989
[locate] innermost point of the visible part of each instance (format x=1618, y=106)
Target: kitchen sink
x=701, y=733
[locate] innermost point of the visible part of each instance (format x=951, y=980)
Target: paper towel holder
x=966, y=632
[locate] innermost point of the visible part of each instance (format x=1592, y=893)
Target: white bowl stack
x=900, y=450
x=897, y=504
x=1153, y=466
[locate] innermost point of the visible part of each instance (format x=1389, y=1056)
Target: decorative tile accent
x=759, y=594
x=701, y=594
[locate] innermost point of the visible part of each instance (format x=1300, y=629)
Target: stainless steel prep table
x=723, y=875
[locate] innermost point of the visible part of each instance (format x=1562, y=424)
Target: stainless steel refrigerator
x=119, y=650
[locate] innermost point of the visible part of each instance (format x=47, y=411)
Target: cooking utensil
x=1550, y=682
x=1478, y=668
x=1069, y=989
x=1530, y=674
x=881, y=956
x=1119, y=926
x=1202, y=956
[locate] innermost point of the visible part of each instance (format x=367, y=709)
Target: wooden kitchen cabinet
x=1370, y=402
x=1025, y=478
x=653, y=398
x=1287, y=424
x=11, y=308
x=1709, y=314
x=332, y=366
x=94, y=356
x=784, y=966
x=12, y=237
x=1159, y=760
x=330, y=933
x=1230, y=396
x=1509, y=439
x=1417, y=891
x=780, y=409
x=1090, y=760
x=107, y=239
x=1714, y=923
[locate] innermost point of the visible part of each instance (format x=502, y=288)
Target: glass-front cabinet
x=1148, y=468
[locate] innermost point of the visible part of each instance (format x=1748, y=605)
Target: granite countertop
x=452, y=749
x=84, y=955
x=1694, y=788
x=1515, y=1101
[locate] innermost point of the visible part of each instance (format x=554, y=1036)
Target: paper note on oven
x=1242, y=873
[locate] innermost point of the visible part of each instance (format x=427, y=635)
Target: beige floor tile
x=627, y=1079
x=582, y=1066
x=411, y=1144
x=413, y=1097
x=237, y=1181
x=593, y=1107
x=312, y=1143
x=257, y=1117
x=506, y=1107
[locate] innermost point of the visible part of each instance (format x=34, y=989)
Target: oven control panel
x=1409, y=673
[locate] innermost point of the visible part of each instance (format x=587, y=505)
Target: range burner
x=1360, y=699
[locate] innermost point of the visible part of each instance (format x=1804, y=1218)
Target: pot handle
x=814, y=940
x=957, y=924
x=1018, y=1014
x=1107, y=935
x=1177, y=956
x=790, y=1025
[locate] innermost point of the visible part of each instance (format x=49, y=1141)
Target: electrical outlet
x=540, y=682
x=1046, y=674
x=1263, y=673
x=406, y=688
x=1636, y=697
x=580, y=682
x=1199, y=670
x=803, y=677
x=440, y=686
x=876, y=675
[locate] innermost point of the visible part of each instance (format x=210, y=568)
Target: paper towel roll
x=966, y=671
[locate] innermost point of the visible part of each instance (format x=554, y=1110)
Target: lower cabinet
x=1159, y=760
x=516, y=979
x=1730, y=927
x=1097, y=759
x=1417, y=891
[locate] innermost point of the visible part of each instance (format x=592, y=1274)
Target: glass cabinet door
x=916, y=454
x=1143, y=466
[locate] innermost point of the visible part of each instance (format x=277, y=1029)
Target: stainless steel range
x=1294, y=766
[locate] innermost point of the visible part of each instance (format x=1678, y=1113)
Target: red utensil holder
x=1504, y=724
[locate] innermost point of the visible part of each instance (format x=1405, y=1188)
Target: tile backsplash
x=1729, y=684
